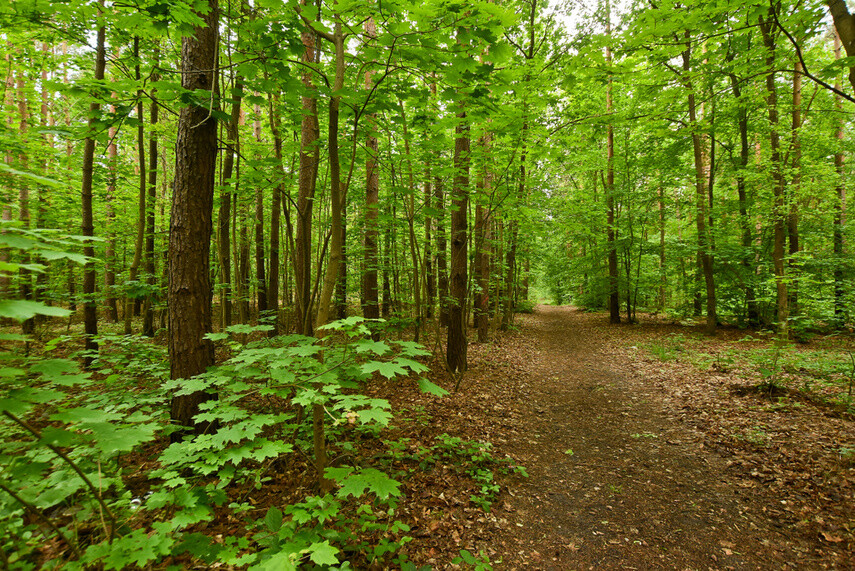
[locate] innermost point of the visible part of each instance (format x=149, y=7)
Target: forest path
x=615, y=482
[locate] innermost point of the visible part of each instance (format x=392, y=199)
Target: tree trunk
x=139, y=242
x=370, y=294
x=779, y=214
x=746, y=259
x=705, y=256
x=309, y=157
x=844, y=23
x=150, y=255
x=611, y=228
x=793, y=208
x=260, y=276
x=840, y=313
x=110, y=247
x=191, y=224
x=87, y=227
x=457, y=342
x=224, y=214
x=336, y=187
x=441, y=251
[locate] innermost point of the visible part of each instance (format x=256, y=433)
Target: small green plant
x=480, y=562
x=477, y=460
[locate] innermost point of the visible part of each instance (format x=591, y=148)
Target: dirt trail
x=615, y=481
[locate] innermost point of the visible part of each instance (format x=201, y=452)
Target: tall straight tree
x=611, y=227
x=190, y=225
x=307, y=181
x=778, y=213
x=87, y=226
x=701, y=208
x=457, y=342
x=371, y=245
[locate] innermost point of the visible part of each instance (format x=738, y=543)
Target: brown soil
x=633, y=463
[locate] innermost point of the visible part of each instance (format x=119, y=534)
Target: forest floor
x=632, y=462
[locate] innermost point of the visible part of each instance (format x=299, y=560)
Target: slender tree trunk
x=457, y=342
x=150, y=231
x=705, y=256
x=795, y=185
x=336, y=187
x=110, y=247
x=779, y=214
x=410, y=207
x=139, y=242
x=611, y=222
x=309, y=157
x=482, y=248
x=24, y=276
x=429, y=277
x=441, y=251
x=260, y=276
x=663, y=273
x=191, y=223
x=370, y=295
x=752, y=311
x=840, y=306
x=87, y=227
x=224, y=214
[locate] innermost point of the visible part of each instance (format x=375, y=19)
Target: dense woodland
x=220, y=220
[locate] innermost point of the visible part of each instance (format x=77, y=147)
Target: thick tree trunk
x=87, y=227
x=844, y=23
x=191, y=224
x=457, y=342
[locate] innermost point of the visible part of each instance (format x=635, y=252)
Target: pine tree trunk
x=191, y=223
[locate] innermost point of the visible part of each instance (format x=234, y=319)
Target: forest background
x=230, y=179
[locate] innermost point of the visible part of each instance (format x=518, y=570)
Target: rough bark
x=191, y=224
x=457, y=342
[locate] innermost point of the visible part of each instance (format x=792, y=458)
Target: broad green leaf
x=22, y=309
x=387, y=369
x=428, y=387
x=323, y=553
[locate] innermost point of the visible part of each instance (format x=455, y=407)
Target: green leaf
x=388, y=369
x=279, y=562
x=428, y=387
x=376, y=347
x=273, y=519
x=369, y=479
x=22, y=309
x=323, y=553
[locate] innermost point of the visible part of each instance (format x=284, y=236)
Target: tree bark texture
x=191, y=224
x=457, y=342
